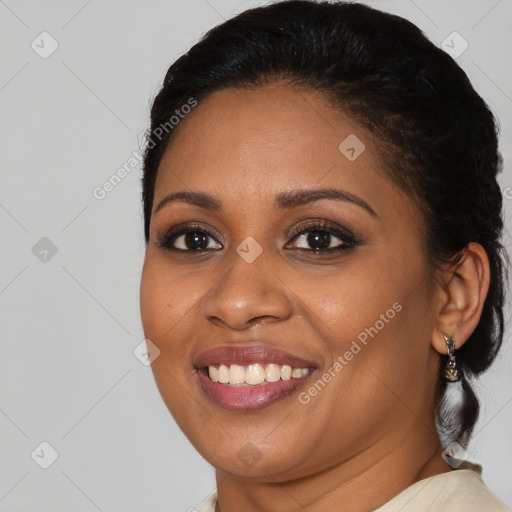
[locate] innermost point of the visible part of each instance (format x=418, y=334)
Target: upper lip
x=249, y=354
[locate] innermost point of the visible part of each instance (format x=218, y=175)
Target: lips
x=249, y=354
x=241, y=396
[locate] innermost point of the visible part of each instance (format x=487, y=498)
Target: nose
x=247, y=294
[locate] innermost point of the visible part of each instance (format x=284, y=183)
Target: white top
x=461, y=490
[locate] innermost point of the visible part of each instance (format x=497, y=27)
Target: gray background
x=70, y=320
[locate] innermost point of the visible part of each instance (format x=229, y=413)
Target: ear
x=461, y=294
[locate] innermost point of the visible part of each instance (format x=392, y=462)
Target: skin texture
x=370, y=432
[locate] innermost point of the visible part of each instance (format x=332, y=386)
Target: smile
x=254, y=374
x=247, y=377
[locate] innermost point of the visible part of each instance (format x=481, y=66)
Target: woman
x=323, y=260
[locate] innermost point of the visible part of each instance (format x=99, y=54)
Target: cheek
x=345, y=302
x=375, y=330
x=165, y=303
x=385, y=309
x=153, y=307
x=166, y=309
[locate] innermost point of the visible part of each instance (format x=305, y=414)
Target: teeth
x=223, y=374
x=213, y=373
x=254, y=374
x=286, y=372
x=272, y=373
x=236, y=374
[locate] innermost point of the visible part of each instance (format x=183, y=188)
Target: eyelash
x=348, y=241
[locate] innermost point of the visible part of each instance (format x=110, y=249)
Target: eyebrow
x=301, y=197
x=284, y=200
x=194, y=198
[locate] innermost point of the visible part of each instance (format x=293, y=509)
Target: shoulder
x=210, y=503
x=456, y=491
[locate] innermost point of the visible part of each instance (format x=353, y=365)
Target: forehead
x=251, y=143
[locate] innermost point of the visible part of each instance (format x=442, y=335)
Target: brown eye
x=319, y=239
x=192, y=239
x=322, y=238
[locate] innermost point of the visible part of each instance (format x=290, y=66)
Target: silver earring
x=452, y=369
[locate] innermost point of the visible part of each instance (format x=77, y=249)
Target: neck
x=361, y=484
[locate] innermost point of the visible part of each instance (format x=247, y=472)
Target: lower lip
x=245, y=398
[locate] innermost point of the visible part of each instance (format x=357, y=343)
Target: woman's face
x=301, y=254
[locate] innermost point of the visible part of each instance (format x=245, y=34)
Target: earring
x=452, y=369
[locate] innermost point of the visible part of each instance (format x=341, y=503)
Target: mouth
x=250, y=377
x=254, y=374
